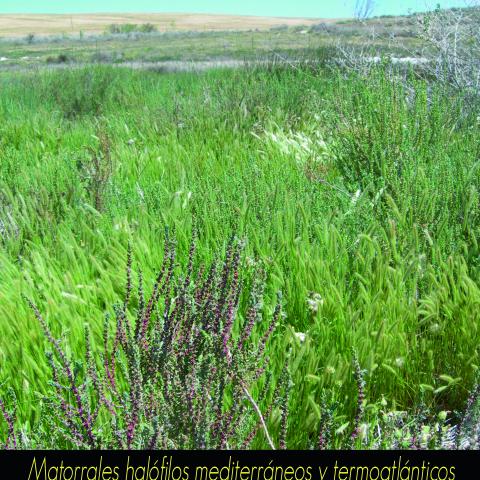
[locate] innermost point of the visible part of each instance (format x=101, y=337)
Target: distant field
x=14, y=25
x=81, y=39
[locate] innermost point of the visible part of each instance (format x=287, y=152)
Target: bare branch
x=259, y=413
x=363, y=9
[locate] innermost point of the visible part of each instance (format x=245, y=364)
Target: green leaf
x=315, y=407
x=342, y=428
x=424, y=387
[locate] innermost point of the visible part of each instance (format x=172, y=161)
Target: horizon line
x=126, y=12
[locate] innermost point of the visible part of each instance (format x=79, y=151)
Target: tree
x=363, y=9
x=452, y=42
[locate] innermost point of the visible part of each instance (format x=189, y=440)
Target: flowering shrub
x=177, y=372
x=185, y=368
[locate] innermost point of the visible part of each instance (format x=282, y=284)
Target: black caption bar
x=240, y=465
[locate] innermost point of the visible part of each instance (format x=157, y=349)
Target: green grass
x=356, y=190
x=198, y=46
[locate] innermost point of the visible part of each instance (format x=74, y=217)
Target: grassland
x=357, y=195
x=360, y=198
x=222, y=40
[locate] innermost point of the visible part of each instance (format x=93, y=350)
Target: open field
x=201, y=39
x=17, y=25
x=181, y=250
x=315, y=42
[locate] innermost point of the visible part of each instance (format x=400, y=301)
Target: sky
x=280, y=8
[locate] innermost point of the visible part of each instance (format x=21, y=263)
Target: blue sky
x=290, y=8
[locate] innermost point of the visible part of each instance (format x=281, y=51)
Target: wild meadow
x=324, y=291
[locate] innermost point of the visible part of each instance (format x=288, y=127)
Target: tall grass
x=361, y=199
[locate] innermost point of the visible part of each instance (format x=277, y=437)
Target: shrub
x=102, y=57
x=62, y=58
x=447, y=51
x=96, y=171
x=126, y=28
x=452, y=40
x=147, y=28
x=82, y=92
x=113, y=29
x=178, y=372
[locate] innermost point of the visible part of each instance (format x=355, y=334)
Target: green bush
x=127, y=28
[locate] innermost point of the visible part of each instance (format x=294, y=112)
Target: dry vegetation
x=15, y=25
